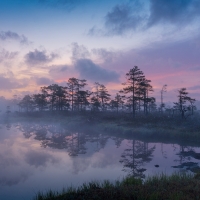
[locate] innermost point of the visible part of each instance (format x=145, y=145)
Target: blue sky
x=48, y=41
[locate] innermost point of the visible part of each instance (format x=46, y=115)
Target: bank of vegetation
x=132, y=111
x=174, y=187
x=135, y=97
x=153, y=126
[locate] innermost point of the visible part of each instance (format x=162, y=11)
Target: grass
x=178, y=186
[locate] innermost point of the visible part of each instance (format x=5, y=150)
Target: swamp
x=40, y=153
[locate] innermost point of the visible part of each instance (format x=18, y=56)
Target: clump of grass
x=177, y=186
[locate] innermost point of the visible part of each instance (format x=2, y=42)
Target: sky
x=45, y=42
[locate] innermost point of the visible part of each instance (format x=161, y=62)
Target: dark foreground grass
x=174, y=187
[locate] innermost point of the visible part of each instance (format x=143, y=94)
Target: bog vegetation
x=115, y=116
x=134, y=97
x=176, y=186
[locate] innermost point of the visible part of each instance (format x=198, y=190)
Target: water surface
x=37, y=157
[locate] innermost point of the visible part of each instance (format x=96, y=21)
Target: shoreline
x=122, y=126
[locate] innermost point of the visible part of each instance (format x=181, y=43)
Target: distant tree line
x=135, y=97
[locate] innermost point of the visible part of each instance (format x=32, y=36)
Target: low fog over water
x=41, y=156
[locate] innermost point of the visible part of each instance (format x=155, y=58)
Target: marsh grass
x=178, y=186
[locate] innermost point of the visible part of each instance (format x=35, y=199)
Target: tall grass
x=177, y=186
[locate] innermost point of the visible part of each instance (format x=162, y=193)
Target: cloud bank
x=39, y=57
x=179, y=12
x=121, y=19
x=43, y=81
x=9, y=35
x=6, y=55
x=9, y=83
x=137, y=15
x=89, y=70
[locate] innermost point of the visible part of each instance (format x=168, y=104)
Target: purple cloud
x=137, y=15
x=9, y=35
x=44, y=81
x=6, y=55
x=11, y=83
x=89, y=70
x=39, y=57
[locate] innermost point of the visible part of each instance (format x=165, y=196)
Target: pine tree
x=134, y=76
x=183, y=98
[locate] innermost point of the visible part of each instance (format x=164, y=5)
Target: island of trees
x=135, y=97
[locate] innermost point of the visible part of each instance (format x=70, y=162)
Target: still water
x=37, y=157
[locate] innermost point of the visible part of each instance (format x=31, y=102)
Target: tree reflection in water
x=57, y=137
x=27, y=130
x=74, y=143
x=118, y=141
x=186, y=154
x=7, y=122
x=90, y=140
x=135, y=157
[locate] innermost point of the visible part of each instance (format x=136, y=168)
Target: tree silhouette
x=73, y=87
x=82, y=99
x=191, y=107
x=40, y=101
x=57, y=96
x=164, y=89
x=183, y=98
x=134, y=97
x=134, y=76
x=27, y=103
x=49, y=91
x=143, y=89
x=119, y=99
x=81, y=96
x=100, y=97
x=103, y=95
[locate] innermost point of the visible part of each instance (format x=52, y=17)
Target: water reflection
x=38, y=159
x=135, y=157
x=164, y=152
x=7, y=122
x=118, y=141
x=57, y=137
x=186, y=154
x=43, y=156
